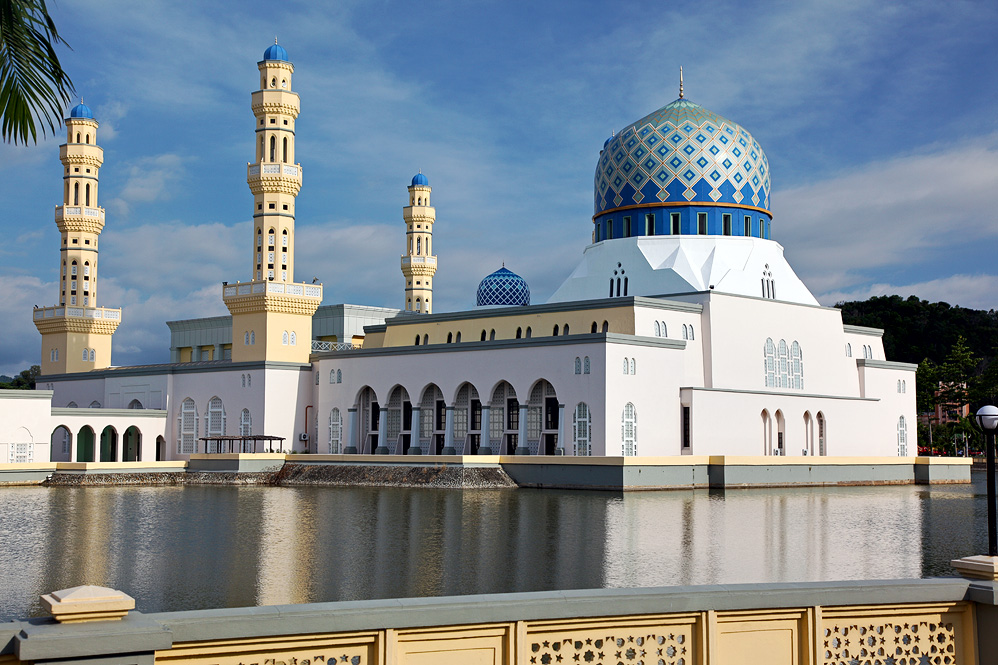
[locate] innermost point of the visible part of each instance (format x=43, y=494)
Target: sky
x=879, y=119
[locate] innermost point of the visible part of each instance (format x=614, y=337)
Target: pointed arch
x=187, y=427
x=629, y=431
x=335, y=431
x=582, y=430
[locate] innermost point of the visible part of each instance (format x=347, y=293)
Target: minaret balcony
x=84, y=212
x=419, y=260
x=81, y=153
x=59, y=312
x=274, y=176
x=261, y=286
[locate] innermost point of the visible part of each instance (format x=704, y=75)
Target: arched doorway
x=370, y=414
x=542, y=419
x=780, y=434
x=131, y=445
x=85, y=444
x=808, y=434
x=432, y=420
x=398, y=422
x=467, y=420
x=821, y=434
x=767, y=433
x=160, y=448
x=62, y=445
x=505, y=419
x=109, y=445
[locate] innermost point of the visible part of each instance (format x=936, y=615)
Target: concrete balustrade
x=948, y=621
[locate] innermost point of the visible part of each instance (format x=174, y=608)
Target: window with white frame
x=294, y=338
x=335, y=431
x=769, y=363
x=902, y=437
x=629, y=431
x=585, y=365
x=848, y=350
x=245, y=423
x=216, y=417
x=578, y=365
x=187, y=427
x=796, y=367
x=284, y=338
x=782, y=365
x=332, y=376
x=582, y=430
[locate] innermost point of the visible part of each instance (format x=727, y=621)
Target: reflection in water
x=179, y=548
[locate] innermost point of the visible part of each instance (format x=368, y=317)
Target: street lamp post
x=987, y=418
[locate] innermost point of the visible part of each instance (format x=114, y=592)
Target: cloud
x=148, y=179
x=21, y=343
x=109, y=114
x=902, y=212
x=978, y=291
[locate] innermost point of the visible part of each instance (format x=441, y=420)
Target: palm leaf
x=34, y=89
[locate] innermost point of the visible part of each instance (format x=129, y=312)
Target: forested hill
x=917, y=329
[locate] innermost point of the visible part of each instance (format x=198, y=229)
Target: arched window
x=77, y=137
x=332, y=373
x=606, y=326
x=216, y=418
x=87, y=199
x=93, y=355
x=585, y=365
x=244, y=380
x=578, y=365
x=294, y=338
x=492, y=334
x=187, y=427
x=519, y=333
x=686, y=331
x=285, y=155
x=483, y=335
x=273, y=148
x=629, y=431
x=902, y=438
x=252, y=337
x=135, y=404
x=594, y=328
x=284, y=338
x=246, y=338
x=339, y=376
x=692, y=336
x=426, y=338
x=245, y=423
x=419, y=306
x=564, y=329
x=782, y=365
x=633, y=364
x=87, y=139
x=72, y=405
x=626, y=366
x=555, y=331
x=261, y=155
x=76, y=193
x=769, y=363
x=658, y=329
x=528, y=332
x=899, y=386
x=86, y=354
x=582, y=430
x=904, y=388
x=419, y=245
x=316, y=378
x=249, y=380
x=95, y=404
x=335, y=431
x=848, y=350
x=458, y=338
x=796, y=367
x=450, y=337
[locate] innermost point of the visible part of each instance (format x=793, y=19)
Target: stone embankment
x=298, y=475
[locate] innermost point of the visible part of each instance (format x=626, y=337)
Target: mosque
x=682, y=330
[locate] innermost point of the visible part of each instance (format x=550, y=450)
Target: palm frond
x=34, y=89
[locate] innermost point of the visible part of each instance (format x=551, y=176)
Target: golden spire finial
x=680, y=81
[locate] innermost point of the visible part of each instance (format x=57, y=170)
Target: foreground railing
x=319, y=345
x=894, y=622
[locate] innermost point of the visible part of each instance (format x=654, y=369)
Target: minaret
x=271, y=314
x=76, y=333
x=418, y=263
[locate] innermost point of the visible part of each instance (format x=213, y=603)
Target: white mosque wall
x=286, y=394
x=24, y=425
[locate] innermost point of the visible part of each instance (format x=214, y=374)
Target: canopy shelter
x=252, y=443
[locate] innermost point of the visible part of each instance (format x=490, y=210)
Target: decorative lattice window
x=578, y=365
x=902, y=437
x=769, y=363
x=783, y=365
x=335, y=431
x=582, y=430
x=796, y=367
x=187, y=427
x=629, y=431
x=585, y=368
x=215, y=421
x=245, y=423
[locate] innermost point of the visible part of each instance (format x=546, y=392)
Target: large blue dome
x=503, y=288
x=682, y=153
x=420, y=179
x=275, y=52
x=81, y=110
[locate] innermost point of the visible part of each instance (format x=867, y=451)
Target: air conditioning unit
x=303, y=436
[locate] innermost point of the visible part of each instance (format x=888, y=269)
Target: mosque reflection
x=201, y=547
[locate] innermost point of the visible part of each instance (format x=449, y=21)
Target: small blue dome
x=420, y=179
x=503, y=288
x=275, y=52
x=81, y=110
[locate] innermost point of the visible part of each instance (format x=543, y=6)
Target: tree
x=956, y=375
x=25, y=380
x=33, y=85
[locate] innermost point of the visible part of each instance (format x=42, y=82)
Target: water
x=177, y=548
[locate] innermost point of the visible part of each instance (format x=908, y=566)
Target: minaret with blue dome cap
x=419, y=265
x=271, y=315
x=76, y=333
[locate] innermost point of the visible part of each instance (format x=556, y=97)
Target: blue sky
x=880, y=121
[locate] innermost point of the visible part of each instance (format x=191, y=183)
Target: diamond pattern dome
x=503, y=288
x=682, y=153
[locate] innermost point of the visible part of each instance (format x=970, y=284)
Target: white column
x=561, y=430
x=352, y=433
x=486, y=445
x=449, y=433
x=521, y=435
x=414, y=444
x=382, y=448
